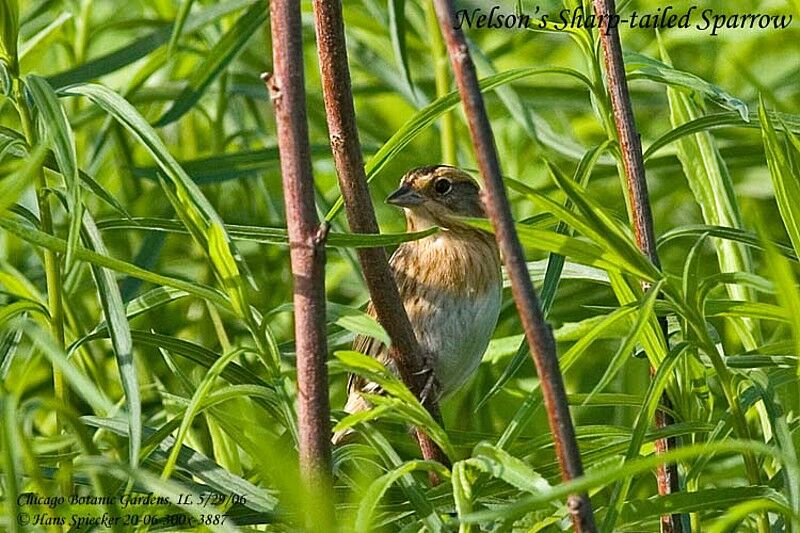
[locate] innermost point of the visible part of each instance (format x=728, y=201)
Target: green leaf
x=12, y=186
x=639, y=66
x=712, y=186
x=150, y=300
x=462, y=493
x=82, y=385
x=580, y=250
x=180, y=22
x=788, y=294
x=785, y=181
x=646, y=414
x=220, y=253
x=197, y=464
x=349, y=318
x=605, y=475
x=404, y=405
x=9, y=342
x=502, y=465
x=733, y=234
x=43, y=36
x=701, y=501
x=191, y=411
x=45, y=240
x=597, y=330
x=783, y=436
x=183, y=497
x=376, y=490
x=718, y=120
x=120, y=333
x=9, y=35
x=232, y=166
x=12, y=462
x=397, y=32
x=56, y=124
x=266, y=235
x=191, y=206
x=552, y=276
x=535, y=125
x=215, y=61
x=132, y=52
x=604, y=228
x=625, y=349
x=411, y=487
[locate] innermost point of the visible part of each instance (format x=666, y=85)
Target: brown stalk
x=306, y=241
x=633, y=163
x=537, y=332
x=338, y=96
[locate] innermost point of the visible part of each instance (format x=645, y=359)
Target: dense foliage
x=146, y=341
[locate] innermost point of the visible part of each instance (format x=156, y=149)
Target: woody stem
x=307, y=248
x=537, y=332
x=346, y=147
x=642, y=220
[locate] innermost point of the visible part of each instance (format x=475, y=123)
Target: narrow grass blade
x=79, y=382
x=8, y=348
x=597, y=330
x=502, y=465
x=191, y=411
x=55, y=122
x=718, y=120
x=43, y=36
x=374, y=494
x=701, y=501
x=12, y=462
x=215, y=61
x=397, y=32
x=462, y=493
x=401, y=403
x=785, y=182
x=266, y=235
x=148, y=301
x=9, y=36
x=733, y=234
x=411, y=487
x=198, y=465
x=605, y=475
x=640, y=66
x=552, y=276
x=120, y=333
x=625, y=349
x=190, y=204
x=712, y=186
x=15, y=184
x=180, y=22
x=646, y=414
x=45, y=240
x=134, y=51
x=350, y=318
x=788, y=294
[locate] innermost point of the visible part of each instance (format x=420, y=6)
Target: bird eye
x=443, y=186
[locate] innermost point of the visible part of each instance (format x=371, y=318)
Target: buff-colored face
x=438, y=196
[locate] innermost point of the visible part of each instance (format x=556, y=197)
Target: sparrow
x=450, y=283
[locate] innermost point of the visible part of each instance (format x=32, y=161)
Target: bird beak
x=405, y=196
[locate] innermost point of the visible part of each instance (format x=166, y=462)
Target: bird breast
x=451, y=287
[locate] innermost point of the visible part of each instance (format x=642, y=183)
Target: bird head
x=438, y=196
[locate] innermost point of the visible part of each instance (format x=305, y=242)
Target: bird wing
x=371, y=346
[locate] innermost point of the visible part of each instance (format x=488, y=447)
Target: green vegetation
x=146, y=341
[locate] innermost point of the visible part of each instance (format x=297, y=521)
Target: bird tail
x=355, y=403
